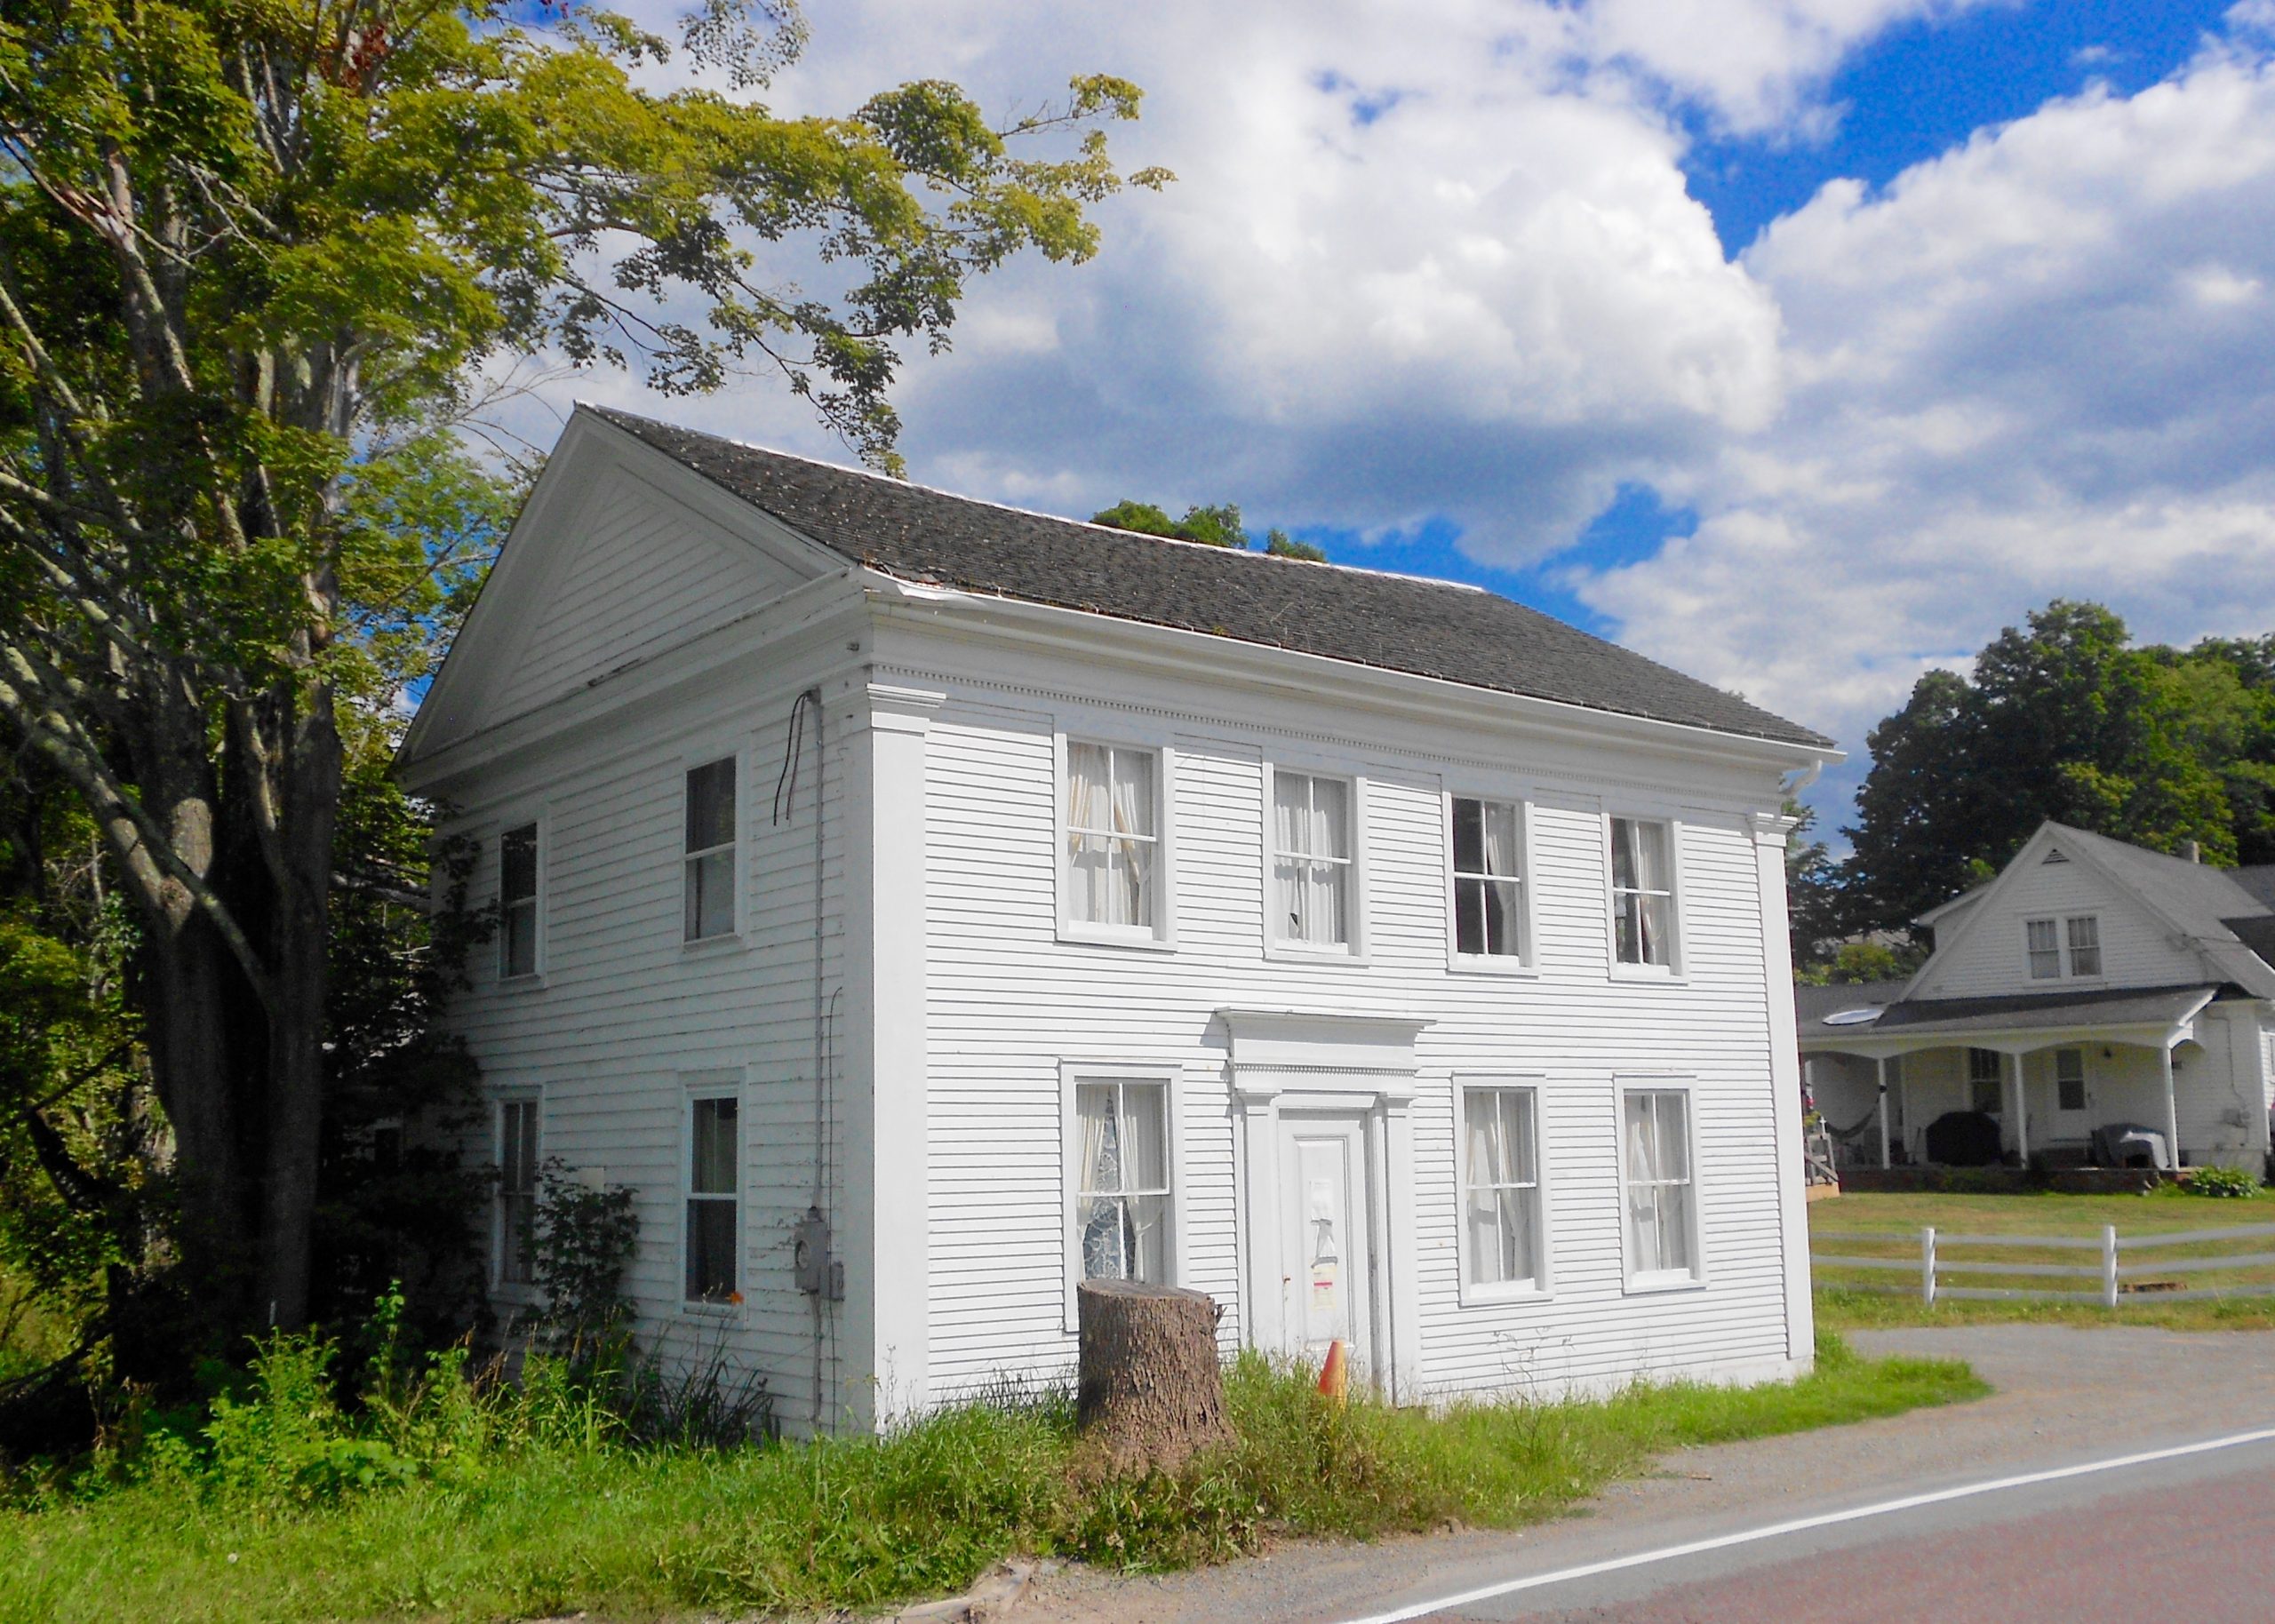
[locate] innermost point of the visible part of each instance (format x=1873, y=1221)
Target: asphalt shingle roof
x=1398, y=623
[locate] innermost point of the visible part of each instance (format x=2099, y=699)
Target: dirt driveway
x=2064, y=1394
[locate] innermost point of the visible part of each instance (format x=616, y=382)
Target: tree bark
x=1150, y=1392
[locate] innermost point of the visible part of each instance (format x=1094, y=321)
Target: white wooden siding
x=647, y=574
x=627, y=1010
x=1008, y=1002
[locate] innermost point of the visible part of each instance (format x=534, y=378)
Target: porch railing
x=2116, y=1281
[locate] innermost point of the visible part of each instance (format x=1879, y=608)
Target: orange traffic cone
x=1335, y=1375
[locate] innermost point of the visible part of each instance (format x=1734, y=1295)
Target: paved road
x=2081, y=1549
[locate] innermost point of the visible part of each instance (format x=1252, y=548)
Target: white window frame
x=711, y=1085
x=2085, y=1100
x=500, y=1287
x=538, y=821
x=1663, y=1279
x=1162, y=934
x=1676, y=967
x=1542, y=1286
x=689, y=761
x=1524, y=962
x=2065, y=958
x=1072, y=1074
x=2070, y=922
x=1354, y=948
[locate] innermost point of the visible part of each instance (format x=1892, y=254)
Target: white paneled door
x=1325, y=1230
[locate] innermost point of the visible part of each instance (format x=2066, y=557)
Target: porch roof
x=2018, y=1023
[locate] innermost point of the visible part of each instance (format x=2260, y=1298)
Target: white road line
x=1803, y=1523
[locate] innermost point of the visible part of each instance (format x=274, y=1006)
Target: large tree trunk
x=1150, y=1392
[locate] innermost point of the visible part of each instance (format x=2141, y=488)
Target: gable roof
x=1427, y=628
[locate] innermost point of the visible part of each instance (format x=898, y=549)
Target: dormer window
x=2070, y=946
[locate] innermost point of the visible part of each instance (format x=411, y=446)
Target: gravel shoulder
x=2062, y=1394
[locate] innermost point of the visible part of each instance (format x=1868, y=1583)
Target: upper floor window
x=1113, y=834
x=1986, y=1081
x=2065, y=946
x=1313, y=859
x=1122, y=1193
x=710, y=860
x=1642, y=891
x=1500, y=1186
x=517, y=901
x=1488, y=901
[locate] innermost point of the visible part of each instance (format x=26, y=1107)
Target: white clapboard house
x=2101, y=1004
x=924, y=903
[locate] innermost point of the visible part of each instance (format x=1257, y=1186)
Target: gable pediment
x=620, y=556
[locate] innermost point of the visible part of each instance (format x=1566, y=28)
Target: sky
x=1801, y=344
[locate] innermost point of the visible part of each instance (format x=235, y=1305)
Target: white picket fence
x=2116, y=1280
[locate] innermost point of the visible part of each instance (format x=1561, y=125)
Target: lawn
x=504, y=1520
x=1841, y=1306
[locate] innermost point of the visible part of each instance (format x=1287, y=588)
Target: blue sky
x=1799, y=344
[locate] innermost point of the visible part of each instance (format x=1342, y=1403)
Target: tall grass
x=444, y=1497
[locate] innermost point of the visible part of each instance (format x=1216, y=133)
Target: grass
x=515, y=1520
x=1899, y=1216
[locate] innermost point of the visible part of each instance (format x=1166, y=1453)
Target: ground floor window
x=713, y=1197
x=1122, y=1185
x=1500, y=1186
x=2070, y=1080
x=1662, y=1219
x=517, y=1162
x=1985, y=1082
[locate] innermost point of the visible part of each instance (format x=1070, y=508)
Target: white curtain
x=1089, y=862
x=1097, y=1213
x=1131, y=900
x=1498, y=1172
x=1658, y=1172
x=1311, y=820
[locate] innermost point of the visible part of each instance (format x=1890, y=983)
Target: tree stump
x=1149, y=1390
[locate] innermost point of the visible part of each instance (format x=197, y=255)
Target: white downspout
x=2172, y=1106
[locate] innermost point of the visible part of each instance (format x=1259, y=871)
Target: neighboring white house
x=2091, y=984
x=922, y=903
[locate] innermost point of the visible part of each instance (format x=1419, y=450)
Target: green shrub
x=2232, y=1181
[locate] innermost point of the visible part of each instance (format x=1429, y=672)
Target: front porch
x=2037, y=1085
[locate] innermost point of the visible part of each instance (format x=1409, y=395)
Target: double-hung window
x=1642, y=892
x=517, y=1186
x=1488, y=880
x=1661, y=1207
x=1314, y=899
x=2059, y=947
x=517, y=861
x=1120, y=1197
x=710, y=860
x=1500, y=1186
x=2070, y=1080
x=713, y=1197
x=1986, y=1082
x=1112, y=834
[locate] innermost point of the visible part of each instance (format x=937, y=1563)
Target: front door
x=2073, y=1115
x=1327, y=1237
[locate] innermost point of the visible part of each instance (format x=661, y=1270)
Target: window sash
x=517, y=871
x=1487, y=885
x=2084, y=934
x=2070, y=1080
x=1112, y=832
x=2045, y=950
x=713, y=1197
x=517, y=1186
x=1313, y=840
x=710, y=847
x=1122, y=1196
x=1662, y=1237
x=1642, y=891
x=1500, y=1188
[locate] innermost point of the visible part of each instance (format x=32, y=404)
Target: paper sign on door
x=1327, y=1262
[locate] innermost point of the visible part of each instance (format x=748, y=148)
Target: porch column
x=2171, y=1105
x=1769, y=830
x=2022, y=1108
x=1880, y=1070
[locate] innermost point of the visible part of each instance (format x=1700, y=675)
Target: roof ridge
x=1031, y=513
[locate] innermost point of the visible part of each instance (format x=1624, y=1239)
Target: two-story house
x=924, y=905
x=2101, y=1004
